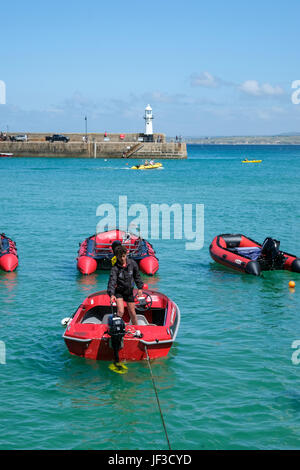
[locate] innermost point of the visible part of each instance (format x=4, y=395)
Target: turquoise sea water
x=229, y=381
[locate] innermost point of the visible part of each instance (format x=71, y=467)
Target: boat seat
x=96, y=320
x=142, y=320
x=105, y=318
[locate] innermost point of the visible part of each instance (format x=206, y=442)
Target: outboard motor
x=116, y=332
x=270, y=252
x=270, y=248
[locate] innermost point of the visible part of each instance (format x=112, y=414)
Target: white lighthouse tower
x=148, y=121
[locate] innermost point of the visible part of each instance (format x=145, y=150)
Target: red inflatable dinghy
x=246, y=255
x=8, y=253
x=96, y=252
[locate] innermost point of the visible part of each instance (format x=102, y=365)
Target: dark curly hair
x=120, y=250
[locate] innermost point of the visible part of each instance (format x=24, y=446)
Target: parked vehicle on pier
x=18, y=138
x=57, y=138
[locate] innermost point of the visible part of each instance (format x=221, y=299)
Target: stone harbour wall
x=155, y=150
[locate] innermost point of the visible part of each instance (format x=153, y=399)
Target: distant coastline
x=246, y=140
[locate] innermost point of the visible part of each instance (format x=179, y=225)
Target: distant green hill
x=280, y=139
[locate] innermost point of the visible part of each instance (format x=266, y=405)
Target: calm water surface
x=229, y=381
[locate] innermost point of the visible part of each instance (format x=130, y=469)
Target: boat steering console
x=143, y=303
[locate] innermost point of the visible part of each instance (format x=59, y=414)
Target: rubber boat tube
x=246, y=255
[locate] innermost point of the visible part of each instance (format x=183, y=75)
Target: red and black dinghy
x=246, y=255
x=8, y=253
x=95, y=332
x=96, y=252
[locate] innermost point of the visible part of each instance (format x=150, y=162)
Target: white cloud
x=248, y=87
x=205, y=79
x=253, y=88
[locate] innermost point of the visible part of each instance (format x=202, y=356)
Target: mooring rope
x=157, y=399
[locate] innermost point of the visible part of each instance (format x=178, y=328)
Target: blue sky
x=206, y=68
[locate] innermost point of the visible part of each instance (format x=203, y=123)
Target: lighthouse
x=148, y=122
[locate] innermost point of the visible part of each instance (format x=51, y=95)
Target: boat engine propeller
x=116, y=332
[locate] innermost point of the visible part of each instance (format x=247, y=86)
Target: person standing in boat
x=123, y=275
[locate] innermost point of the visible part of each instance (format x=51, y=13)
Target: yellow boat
x=251, y=161
x=147, y=167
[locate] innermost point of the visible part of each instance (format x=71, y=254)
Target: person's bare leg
x=120, y=307
x=132, y=314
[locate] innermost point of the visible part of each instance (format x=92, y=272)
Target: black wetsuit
x=122, y=278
